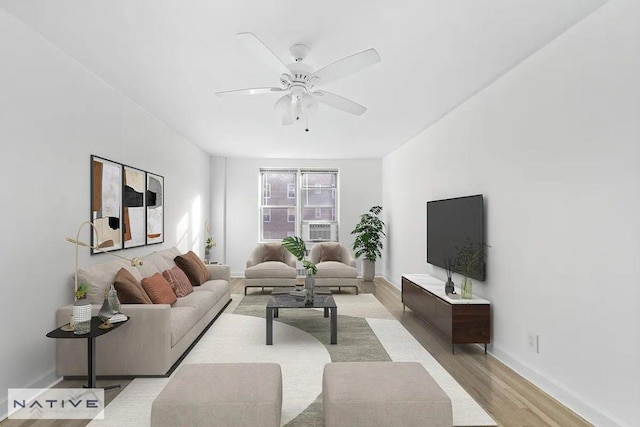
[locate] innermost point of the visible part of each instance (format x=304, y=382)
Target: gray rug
x=366, y=331
x=356, y=342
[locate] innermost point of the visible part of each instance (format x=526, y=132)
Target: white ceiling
x=171, y=56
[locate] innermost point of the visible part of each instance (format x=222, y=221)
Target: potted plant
x=469, y=261
x=368, y=242
x=81, y=311
x=298, y=248
x=209, y=244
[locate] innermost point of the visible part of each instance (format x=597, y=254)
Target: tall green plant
x=297, y=247
x=369, y=233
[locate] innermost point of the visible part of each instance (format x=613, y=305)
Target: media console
x=460, y=321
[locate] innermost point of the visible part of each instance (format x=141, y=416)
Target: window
x=290, y=197
x=319, y=195
x=278, y=209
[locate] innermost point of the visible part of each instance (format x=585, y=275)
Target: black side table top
x=94, y=332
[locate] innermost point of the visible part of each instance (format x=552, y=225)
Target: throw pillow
x=129, y=289
x=178, y=281
x=330, y=252
x=193, y=267
x=273, y=252
x=158, y=289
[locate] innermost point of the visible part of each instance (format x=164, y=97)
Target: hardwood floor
x=506, y=396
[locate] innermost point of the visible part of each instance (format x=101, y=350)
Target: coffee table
x=320, y=300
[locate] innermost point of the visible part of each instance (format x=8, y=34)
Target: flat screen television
x=449, y=223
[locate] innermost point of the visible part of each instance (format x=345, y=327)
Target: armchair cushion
x=273, y=252
x=330, y=252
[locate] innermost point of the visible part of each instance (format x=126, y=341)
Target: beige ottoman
x=383, y=394
x=221, y=394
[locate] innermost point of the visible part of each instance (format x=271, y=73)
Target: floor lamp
x=134, y=261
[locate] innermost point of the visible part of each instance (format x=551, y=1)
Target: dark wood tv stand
x=459, y=321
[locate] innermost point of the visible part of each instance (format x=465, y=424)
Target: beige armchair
x=270, y=265
x=336, y=266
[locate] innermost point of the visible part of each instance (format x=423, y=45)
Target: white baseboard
x=48, y=380
x=568, y=398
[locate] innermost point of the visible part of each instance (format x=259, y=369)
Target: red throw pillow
x=178, y=281
x=158, y=289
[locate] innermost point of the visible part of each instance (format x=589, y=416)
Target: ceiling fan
x=298, y=80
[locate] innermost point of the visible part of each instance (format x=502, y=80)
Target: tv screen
x=450, y=223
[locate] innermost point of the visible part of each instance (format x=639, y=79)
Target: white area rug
x=238, y=338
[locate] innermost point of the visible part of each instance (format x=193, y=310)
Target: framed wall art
x=155, y=208
x=133, y=207
x=106, y=204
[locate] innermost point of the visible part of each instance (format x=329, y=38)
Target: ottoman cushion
x=383, y=394
x=221, y=394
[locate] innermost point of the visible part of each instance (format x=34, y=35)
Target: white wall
x=554, y=146
x=53, y=115
x=218, y=207
x=360, y=188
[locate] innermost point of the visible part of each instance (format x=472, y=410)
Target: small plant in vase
x=449, y=266
x=298, y=248
x=209, y=244
x=470, y=261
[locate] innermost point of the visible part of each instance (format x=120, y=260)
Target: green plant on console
x=470, y=261
x=297, y=247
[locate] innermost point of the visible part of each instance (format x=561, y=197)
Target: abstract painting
x=155, y=209
x=133, y=213
x=106, y=203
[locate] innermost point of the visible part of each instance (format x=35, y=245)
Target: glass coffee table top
x=285, y=300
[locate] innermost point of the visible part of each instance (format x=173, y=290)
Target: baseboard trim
x=48, y=380
x=568, y=398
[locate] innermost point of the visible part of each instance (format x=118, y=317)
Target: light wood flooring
x=510, y=399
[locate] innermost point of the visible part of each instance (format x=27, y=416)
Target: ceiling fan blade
x=251, y=91
x=336, y=101
x=345, y=66
x=260, y=49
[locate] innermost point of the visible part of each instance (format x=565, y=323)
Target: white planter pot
x=368, y=270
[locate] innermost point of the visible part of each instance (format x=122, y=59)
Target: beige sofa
x=157, y=335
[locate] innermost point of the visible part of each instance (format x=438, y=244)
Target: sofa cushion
x=100, y=277
x=273, y=252
x=129, y=290
x=334, y=269
x=179, y=281
x=158, y=261
x=193, y=267
x=202, y=301
x=330, y=252
x=158, y=289
x=270, y=269
x=169, y=255
x=182, y=320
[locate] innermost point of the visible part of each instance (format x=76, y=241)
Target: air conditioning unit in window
x=320, y=231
